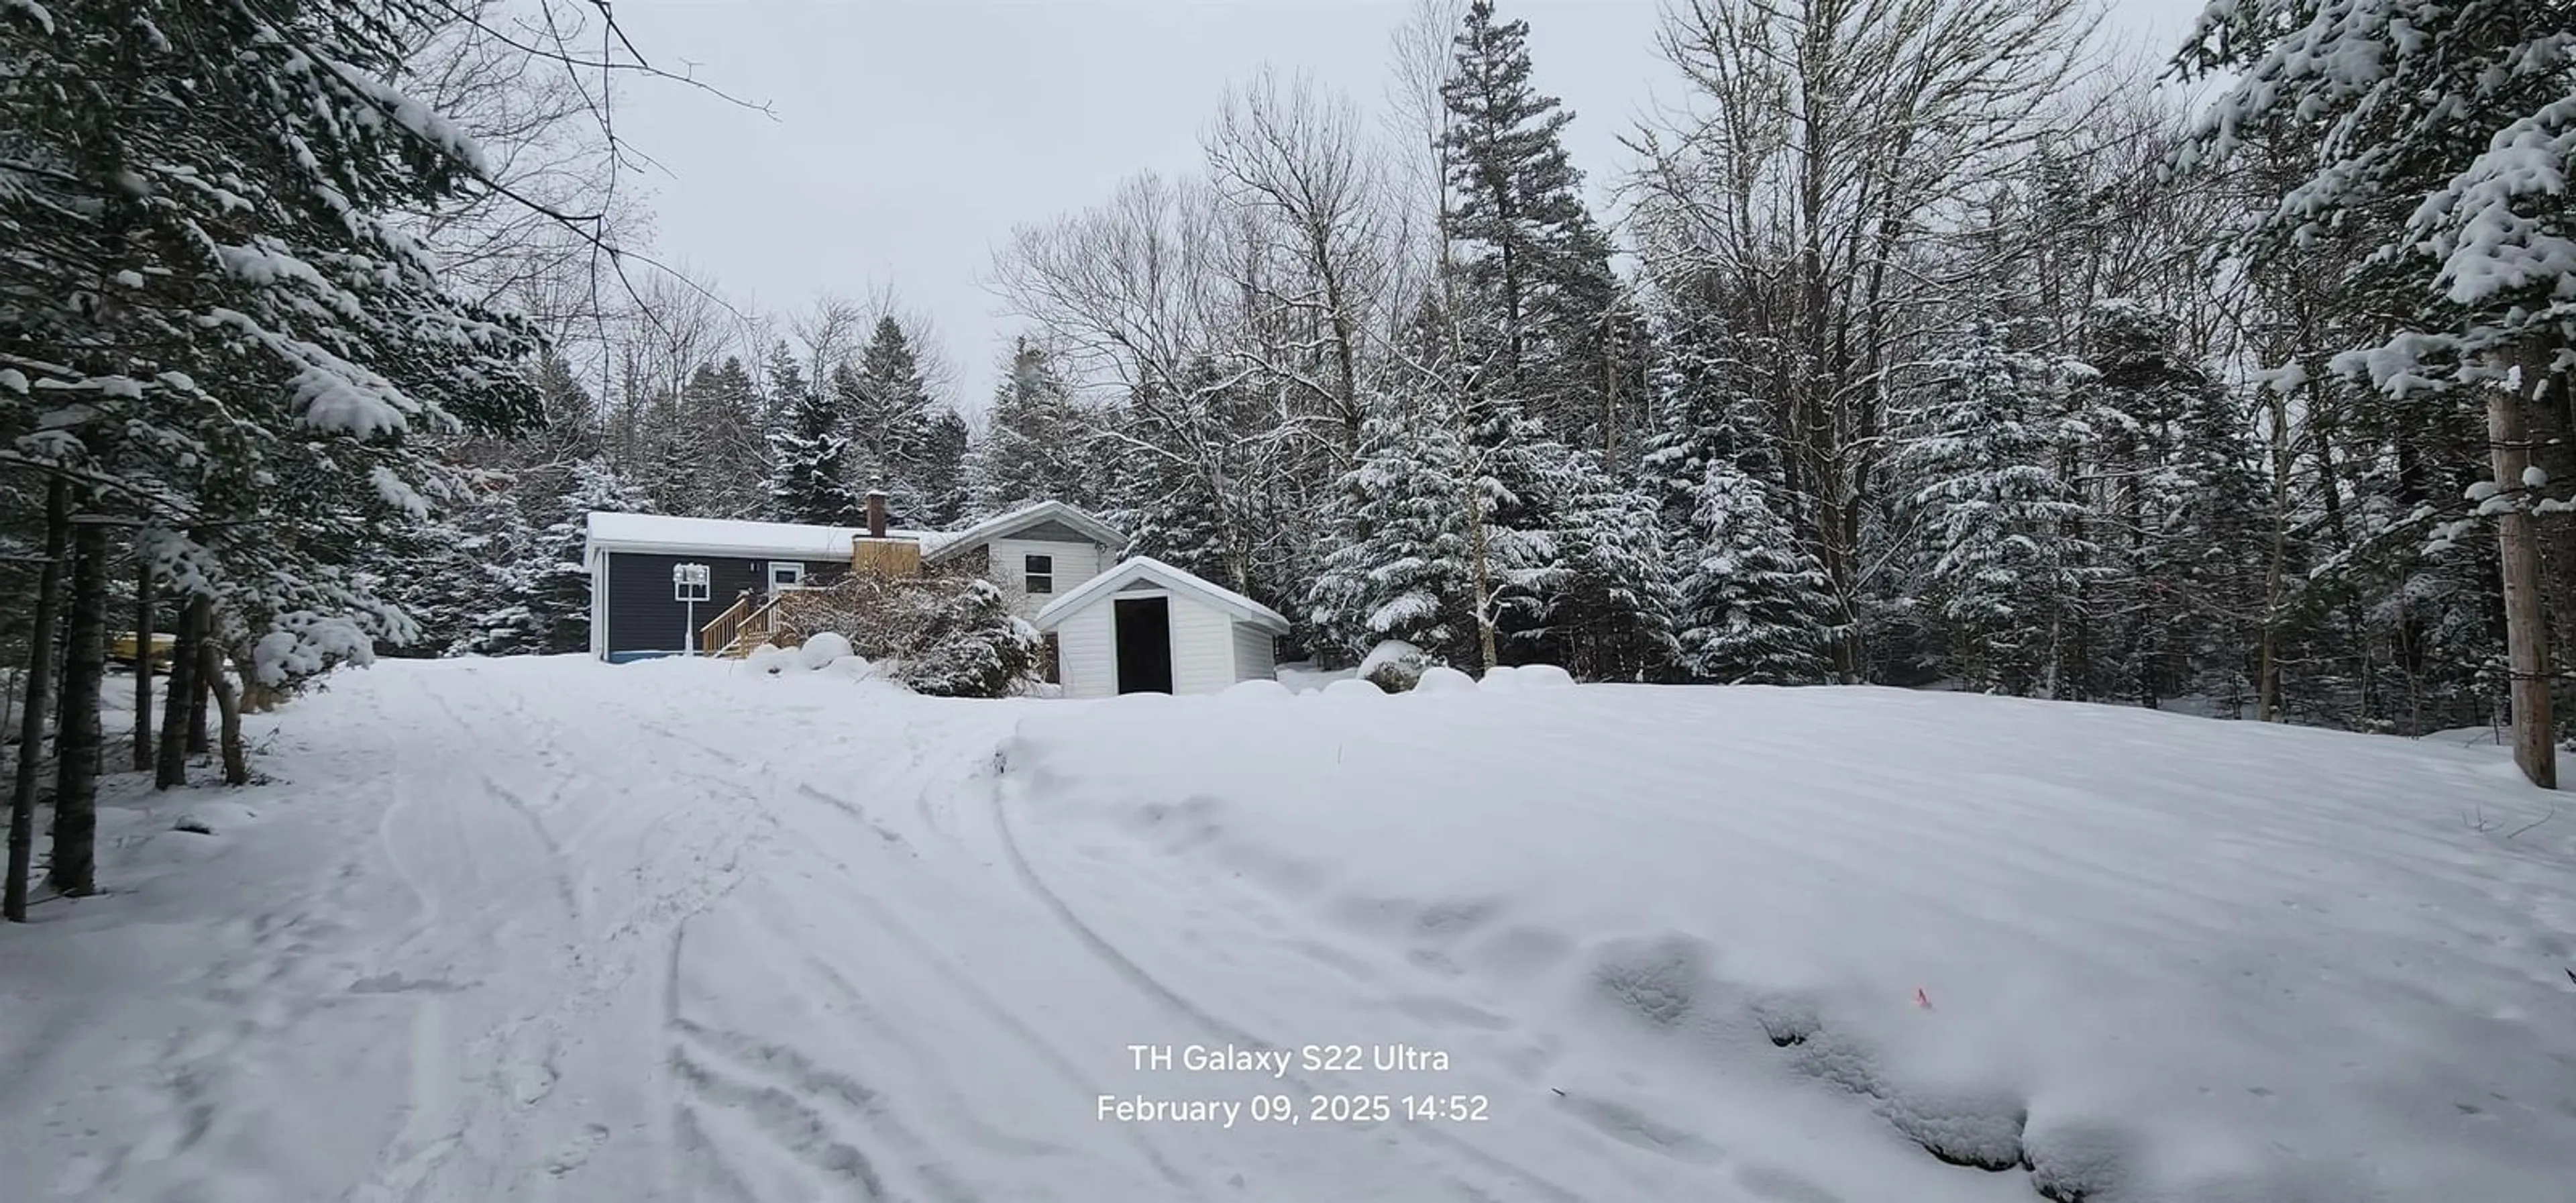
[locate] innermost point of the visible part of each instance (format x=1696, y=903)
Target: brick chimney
x=876, y=514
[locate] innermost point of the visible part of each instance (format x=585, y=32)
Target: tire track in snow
x=1125, y=967
x=436, y=1118
x=825, y=1119
x=988, y=1137
x=505, y=1120
x=859, y=815
x=519, y=805
x=978, y=998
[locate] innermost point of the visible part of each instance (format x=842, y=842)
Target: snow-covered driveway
x=550, y=930
x=553, y=930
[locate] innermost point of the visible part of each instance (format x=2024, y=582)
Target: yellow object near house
x=121, y=648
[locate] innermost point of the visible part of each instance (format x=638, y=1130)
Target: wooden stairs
x=742, y=627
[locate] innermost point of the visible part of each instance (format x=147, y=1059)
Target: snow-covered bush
x=1394, y=665
x=946, y=636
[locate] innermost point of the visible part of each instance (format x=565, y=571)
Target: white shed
x=1147, y=627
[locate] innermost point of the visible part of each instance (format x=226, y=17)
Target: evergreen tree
x=1517, y=470
x=892, y=424
x=2187, y=506
x=808, y=452
x=1755, y=607
x=553, y=584
x=729, y=471
x=1196, y=455
x=489, y=558
x=1999, y=515
x=1610, y=610
x=1535, y=261
x=1039, y=444
x=568, y=423
x=1753, y=604
x=445, y=570
x=2430, y=145
x=1398, y=563
x=273, y=347
x=1704, y=420
x=2445, y=134
x=945, y=497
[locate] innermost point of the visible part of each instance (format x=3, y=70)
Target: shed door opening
x=1144, y=645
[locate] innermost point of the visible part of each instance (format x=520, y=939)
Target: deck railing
x=719, y=634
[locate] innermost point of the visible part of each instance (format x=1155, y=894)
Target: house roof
x=1021, y=519
x=1147, y=568
x=720, y=536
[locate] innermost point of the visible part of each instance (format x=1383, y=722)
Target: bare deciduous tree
x=1823, y=143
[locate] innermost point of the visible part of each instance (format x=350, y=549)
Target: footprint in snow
x=576, y=1152
x=396, y=983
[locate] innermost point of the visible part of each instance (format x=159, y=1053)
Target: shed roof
x=1147, y=568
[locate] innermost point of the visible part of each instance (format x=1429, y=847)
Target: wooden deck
x=786, y=616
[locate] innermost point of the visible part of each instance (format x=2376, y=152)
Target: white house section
x=1034, y=572
x=1145, y=626
x=1036, y=553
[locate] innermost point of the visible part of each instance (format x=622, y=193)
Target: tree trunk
x=1484, y=574
x=2552, y=434
x=77, y=737
x=143, y=602
x=210, y=669
x=198, y=743
x=172, y=769
x=2267, y=669
x=31, y=719
x=2525, y=629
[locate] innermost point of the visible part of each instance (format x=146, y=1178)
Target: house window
x=785, y=574
x=1041, y=573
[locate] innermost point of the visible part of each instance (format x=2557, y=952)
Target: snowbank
x=1304, y=677
x=822, y=648
x=2109, y=954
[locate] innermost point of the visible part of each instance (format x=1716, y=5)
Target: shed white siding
x=1219, y=637
x=1256, y=654
x=1087, y=654
x=1007, y=567
x=1202, y=646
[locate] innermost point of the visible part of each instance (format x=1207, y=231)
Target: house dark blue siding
x=642, y=618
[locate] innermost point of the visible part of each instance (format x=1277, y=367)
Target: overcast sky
x=910, y=136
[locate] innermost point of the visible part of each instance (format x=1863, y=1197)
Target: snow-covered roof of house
x=1147, y=568
x=1021, y=519
x=721, y=536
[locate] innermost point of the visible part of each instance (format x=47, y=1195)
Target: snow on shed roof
x=1027, y=516
x=721, y=536
x=1128, y=571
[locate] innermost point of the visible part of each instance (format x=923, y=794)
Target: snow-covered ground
x=554, y=930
